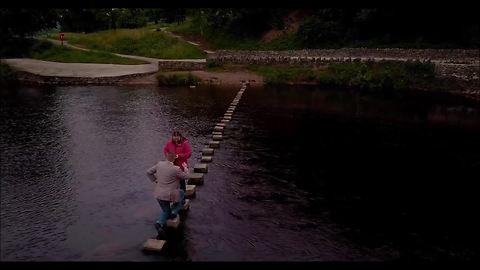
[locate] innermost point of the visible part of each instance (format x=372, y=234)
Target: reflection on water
x=303, y=174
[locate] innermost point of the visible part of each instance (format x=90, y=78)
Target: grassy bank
x=177, y=79
x=142, y=42
x=44, y=50
x=371, y=75
x=8, y=77
x=215, y=39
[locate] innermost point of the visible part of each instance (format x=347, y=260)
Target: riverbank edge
x=469, y=89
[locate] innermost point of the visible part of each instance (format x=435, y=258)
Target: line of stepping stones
x=200, y=169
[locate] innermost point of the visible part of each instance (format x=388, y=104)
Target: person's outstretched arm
x=151, y=173
x=182, y=174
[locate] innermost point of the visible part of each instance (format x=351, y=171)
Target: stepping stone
x=217, y=133
x=230, y=111
x=174, y=223
x=228, y=114
x=214, y=144
x=218, y=128
x=234, y=103
x=227, y=117
x=207, y=151
x=195, y=178
x=223, y=121
x=200, y=168
x=206, y=159
x=221, y=125
x=153, y=245
x=217, y=137
x=190, y=191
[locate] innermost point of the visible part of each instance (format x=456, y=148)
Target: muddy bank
x=31, y=79
x=208, y=77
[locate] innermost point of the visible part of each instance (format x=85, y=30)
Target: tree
x=131, y=18
x=85, y=19
x=22, y=22
x=153, y=14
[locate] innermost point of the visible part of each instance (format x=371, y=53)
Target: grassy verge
x=8, y=77
x=44, y=50
x=371, y=75
x=145, y=41
x=177, y=79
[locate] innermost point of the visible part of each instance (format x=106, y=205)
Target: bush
x=177, y=79
x=386, y=74
x=371, y=75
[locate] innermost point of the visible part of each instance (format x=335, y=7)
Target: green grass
x=371, y=75
x=142, y=42
x=8, y=77
x=285, y=74
x=44, y=50
x=177, y=79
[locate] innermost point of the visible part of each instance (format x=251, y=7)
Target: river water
x=303, y=174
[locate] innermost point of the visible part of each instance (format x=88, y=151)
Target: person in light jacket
x=167, y=177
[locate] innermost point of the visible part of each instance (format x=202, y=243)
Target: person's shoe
x=161, y=232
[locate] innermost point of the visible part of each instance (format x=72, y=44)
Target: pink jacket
x=183, y=151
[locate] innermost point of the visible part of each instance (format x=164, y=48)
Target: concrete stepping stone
x=174, y=223
x=214, y=144
x=195, y=178
x=217, y=133
x=206, y=159
x=153, y=245
x=221, y=125
x=207, y=151
x=218, y=128
x=227, y=117
x=200, y=168
x=224, y=121
x=217, y=137
x=190, y=191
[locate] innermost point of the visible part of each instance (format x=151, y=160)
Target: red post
x=62, y=37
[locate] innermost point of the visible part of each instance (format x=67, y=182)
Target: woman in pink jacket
x=181, y=147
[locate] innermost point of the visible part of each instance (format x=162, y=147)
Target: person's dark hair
x=177, y=133
x=170, y=156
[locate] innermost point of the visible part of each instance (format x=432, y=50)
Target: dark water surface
x=303, y=174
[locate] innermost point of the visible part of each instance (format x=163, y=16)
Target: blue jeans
x=167, y=210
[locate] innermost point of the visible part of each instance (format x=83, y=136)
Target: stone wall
x=179, y=65
x=463, y=64
x=344, y=54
